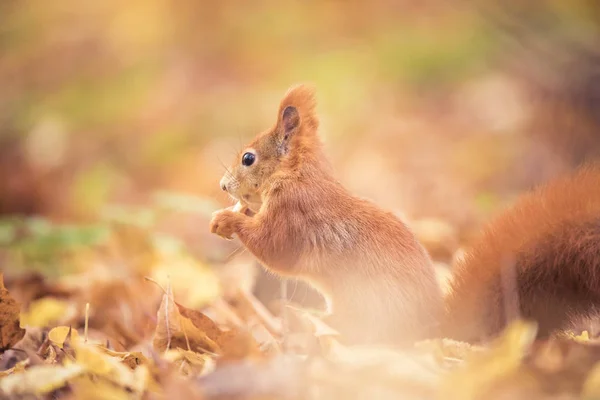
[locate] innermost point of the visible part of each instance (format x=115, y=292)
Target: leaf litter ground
x=130, y=327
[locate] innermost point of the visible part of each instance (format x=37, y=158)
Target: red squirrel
x=540, y=259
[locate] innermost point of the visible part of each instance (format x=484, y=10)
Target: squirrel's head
x=274, y=150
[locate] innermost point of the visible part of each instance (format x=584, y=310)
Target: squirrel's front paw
x=224, y=223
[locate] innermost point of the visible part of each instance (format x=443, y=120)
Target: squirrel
x=539, y=260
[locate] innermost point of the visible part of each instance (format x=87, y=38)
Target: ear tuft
x=298, y=107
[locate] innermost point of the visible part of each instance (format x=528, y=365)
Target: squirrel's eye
x=248, y=159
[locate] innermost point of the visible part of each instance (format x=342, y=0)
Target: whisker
x=305, y=294
x=233, y=148
x=240, y=143
x=294, y=292
x=224, y=166
x=236, y=252
x=229, y=174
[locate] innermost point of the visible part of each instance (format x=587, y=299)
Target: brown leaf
x=176, y=331
x=10, y=329
x=238, y=345
x=200, y=321
x=234, y=344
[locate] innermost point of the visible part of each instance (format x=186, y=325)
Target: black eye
x=248, y=159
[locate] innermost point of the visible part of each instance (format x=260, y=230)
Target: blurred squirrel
x=540, y=260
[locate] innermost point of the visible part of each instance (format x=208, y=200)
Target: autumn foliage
x=114, y=117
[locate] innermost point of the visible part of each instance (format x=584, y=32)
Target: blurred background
x=117, y=117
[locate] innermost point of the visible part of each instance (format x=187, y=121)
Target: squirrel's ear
x=290, y=119
x=297, y=114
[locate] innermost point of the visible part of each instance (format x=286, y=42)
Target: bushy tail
x=540, y=261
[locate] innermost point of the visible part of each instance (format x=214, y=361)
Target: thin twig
x=156, y=283
x=222, y=307
x=272, y=324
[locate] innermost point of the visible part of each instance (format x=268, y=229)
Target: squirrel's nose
x=223, y=184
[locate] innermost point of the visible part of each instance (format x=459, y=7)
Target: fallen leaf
x=87, y=388
x=237, y=345
x=39, y=379
x=100, y=364
x=176, y=331
x=59, y=335
x=482, y=370
x=10, y=329
x=191, y=363
x=19, y=367
x=233, y=343
x=200, y=321
x=131, y=359
x=47, y=311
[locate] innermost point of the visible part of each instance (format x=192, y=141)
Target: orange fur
x=379, y=280
x=549, y=242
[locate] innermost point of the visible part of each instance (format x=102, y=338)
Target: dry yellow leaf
x=483, y=369
x=59, y=335
x=98, y=363
x=45, y=312
x=131, y=359
x=87, y=388
x=39, y=379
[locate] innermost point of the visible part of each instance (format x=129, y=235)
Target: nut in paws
x=224, y=223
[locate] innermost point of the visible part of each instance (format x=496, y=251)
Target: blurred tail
x=540, y=260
